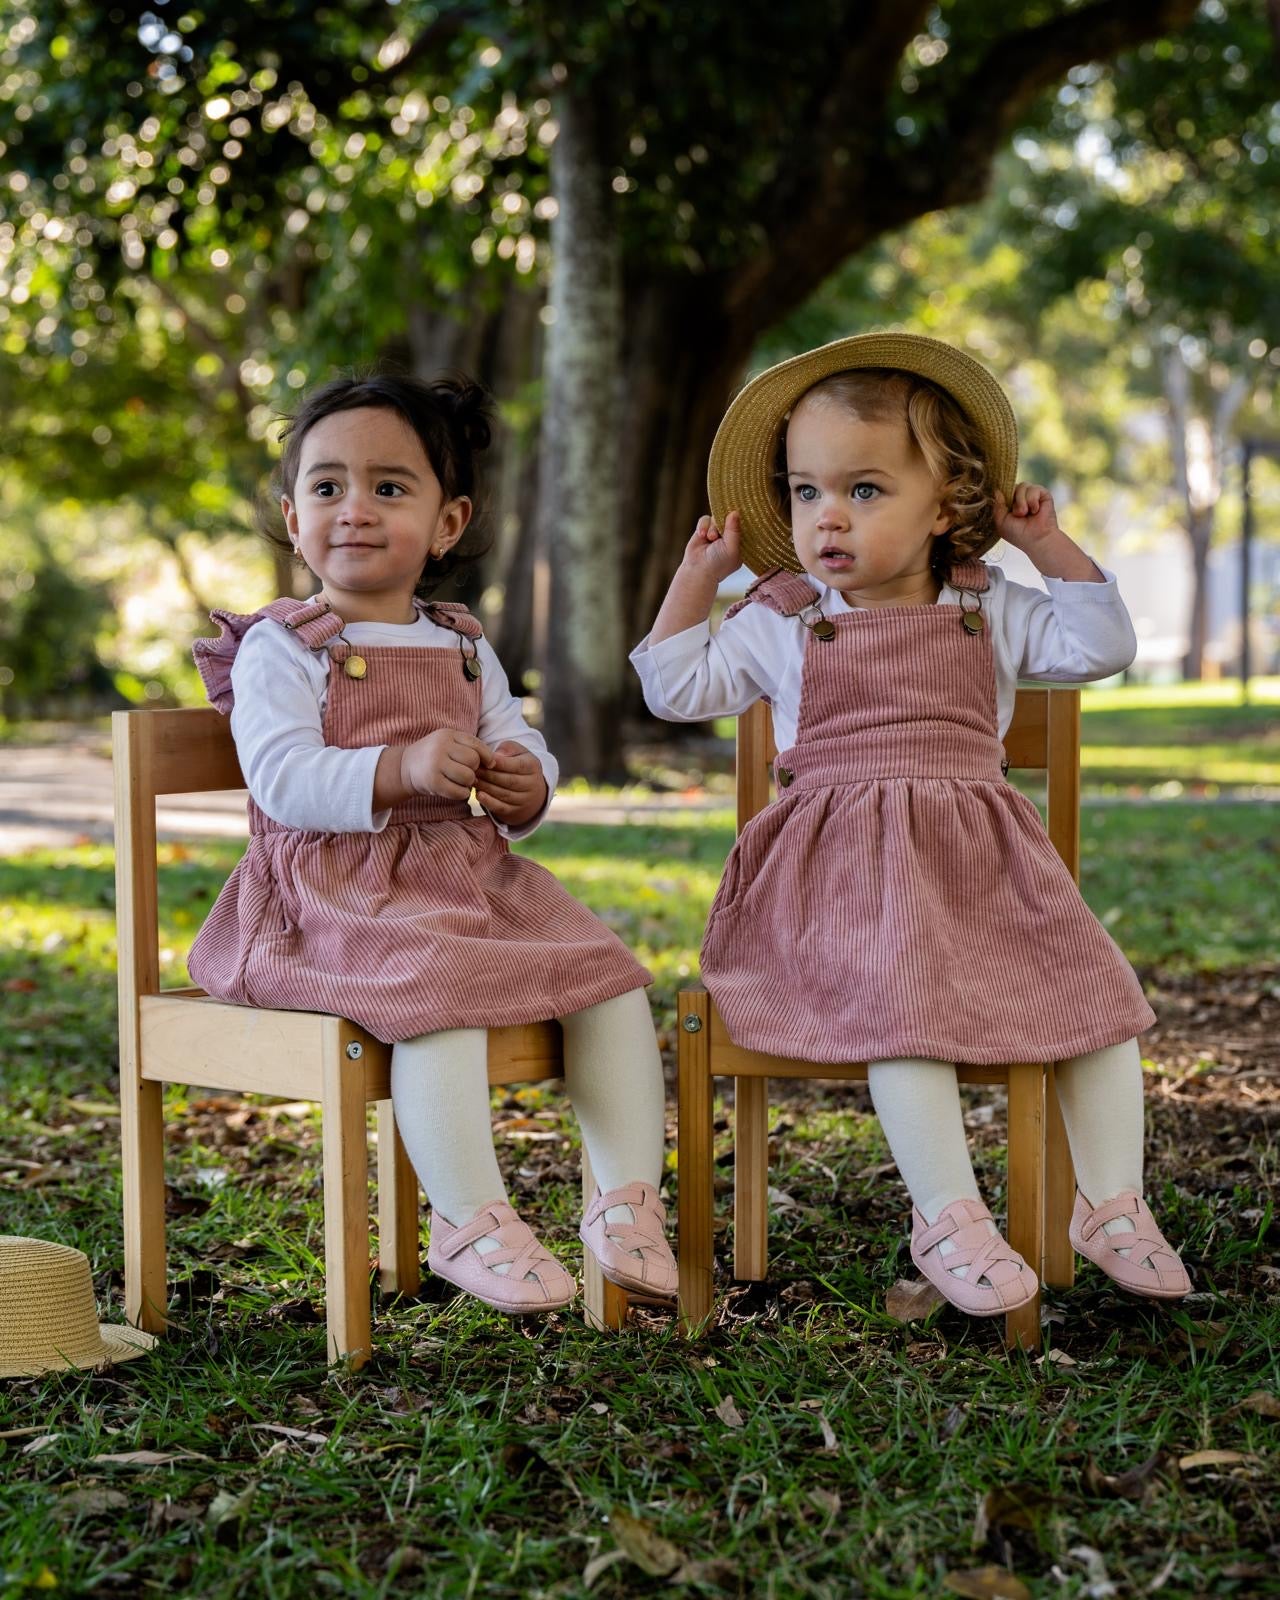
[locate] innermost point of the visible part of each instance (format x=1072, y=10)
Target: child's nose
x=358, y=506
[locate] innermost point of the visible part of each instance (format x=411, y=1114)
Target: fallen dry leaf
x=42, y=1443
x=644, y=1545
x=1266, y=1405
x=147, y=1458
x=601, y=1563
x=987, y=1583
x=88, y=1503
x=911, y=1300
x=300, y=1434
x=1135, y=1484
x=1100, y=1584
x=226, y=1506
x=1216, y=1458
x=729, y=1414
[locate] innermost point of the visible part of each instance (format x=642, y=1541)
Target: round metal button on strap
x=973, y=621
x=823, y=629
x=785, y=775
x=355, y=666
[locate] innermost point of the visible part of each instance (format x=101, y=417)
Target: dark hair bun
x=469, y=406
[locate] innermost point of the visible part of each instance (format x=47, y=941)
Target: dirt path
x=56, y=795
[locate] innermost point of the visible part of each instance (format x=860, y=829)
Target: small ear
x=451, y=523
x=290, y=515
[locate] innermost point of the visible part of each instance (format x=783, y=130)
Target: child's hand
x=712, y=552
x=1029, y=519
x=444, y=764
x=511, y=786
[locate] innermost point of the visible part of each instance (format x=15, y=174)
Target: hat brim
x=118, y=1344
x=740, y=471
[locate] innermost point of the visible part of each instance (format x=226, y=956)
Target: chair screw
x=692, y=1024
x=354, y=1050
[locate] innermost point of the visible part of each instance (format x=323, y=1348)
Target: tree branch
x=852, y=203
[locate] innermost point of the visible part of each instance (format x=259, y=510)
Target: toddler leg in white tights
x=918, y=1102
x=440, y=1092
x=613, y=1075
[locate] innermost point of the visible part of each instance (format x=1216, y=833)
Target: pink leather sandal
x=654, y=1271
x=996, y=1278
x=1152, y=1266
x=534, y=1281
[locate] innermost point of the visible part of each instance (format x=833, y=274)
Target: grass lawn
x=810, y=1445
x=1197, y=738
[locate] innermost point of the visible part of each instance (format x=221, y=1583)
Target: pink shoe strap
x=982, y=1254
x=518, y=1245
x=1125, y=1204
x=957, y=1223
x=1141, y=1242
x=649, y=1211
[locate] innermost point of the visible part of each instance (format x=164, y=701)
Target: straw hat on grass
x=48, y=1319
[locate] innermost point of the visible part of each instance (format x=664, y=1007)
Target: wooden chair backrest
x=155, y=753
x=1044, y=735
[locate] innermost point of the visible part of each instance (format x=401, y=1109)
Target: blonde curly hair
x=940, y=430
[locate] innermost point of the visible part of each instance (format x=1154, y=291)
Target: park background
x=612, y=213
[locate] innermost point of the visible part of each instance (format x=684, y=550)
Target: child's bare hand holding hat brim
x=709, y=558
x=1030, y=524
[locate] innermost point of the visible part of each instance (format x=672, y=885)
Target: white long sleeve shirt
x=1063, y=633
x=281, y=689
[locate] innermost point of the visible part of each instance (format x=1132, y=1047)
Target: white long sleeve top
x=281, y=689
x=1063, y=633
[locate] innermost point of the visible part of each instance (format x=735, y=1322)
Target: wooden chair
x=1045, y=734
x=182, y=1036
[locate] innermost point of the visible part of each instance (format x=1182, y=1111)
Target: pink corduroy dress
x=431, y=923
x=900, y=897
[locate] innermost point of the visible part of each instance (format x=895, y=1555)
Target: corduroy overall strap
x=790, y=593
x=972, y=575
x=450, y=614
x=314, y=622
x=787, y=593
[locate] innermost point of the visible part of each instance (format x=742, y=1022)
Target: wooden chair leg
x=695, y=1161
x=604, y=1304
x=346, y=1201
x=1026, y=1191
x=1059, y=1191
x=146, y=1295
x=399, y=1268
x=751, y=1178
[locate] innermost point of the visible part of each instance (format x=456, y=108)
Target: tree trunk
x=683, y=361
x=580, y=501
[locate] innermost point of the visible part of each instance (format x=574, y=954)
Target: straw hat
x=740, y=473
x=48, y=1319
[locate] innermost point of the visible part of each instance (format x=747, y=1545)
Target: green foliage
x=50, y=621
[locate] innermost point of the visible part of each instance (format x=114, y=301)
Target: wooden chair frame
x=182, y=1036
x=1045, y=734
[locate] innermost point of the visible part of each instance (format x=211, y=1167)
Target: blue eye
x=873, y=487
x=805, y=492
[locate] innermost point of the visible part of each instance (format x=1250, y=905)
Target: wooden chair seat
x=183, y=1036
x=1044, y=734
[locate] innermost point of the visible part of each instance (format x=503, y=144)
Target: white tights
x=613, y=1075
x=918, y=1103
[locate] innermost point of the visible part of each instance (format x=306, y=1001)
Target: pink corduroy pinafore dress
x=432, y=923
x=900, y=897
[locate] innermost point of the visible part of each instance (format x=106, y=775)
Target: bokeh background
x=611, y=213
